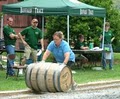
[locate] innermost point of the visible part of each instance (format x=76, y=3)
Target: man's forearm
x=13, y=36
x=67, y=55
x=42, y=43
x=20, y=36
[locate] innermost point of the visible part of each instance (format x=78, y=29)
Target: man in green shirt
x=108, y=38
x=10, y=40
x=32, y=35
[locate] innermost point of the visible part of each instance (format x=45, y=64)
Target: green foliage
x=89, y=26
x=116, y=3
x=55, y=23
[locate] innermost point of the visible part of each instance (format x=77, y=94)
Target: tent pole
x=68, y=28
x=43, y=25
x=103, y=33
x=1, y=31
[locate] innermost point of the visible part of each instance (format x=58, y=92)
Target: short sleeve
x=50, y=46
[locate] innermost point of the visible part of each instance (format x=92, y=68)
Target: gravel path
x=99, y=90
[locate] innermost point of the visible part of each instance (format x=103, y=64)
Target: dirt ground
x=98, y=90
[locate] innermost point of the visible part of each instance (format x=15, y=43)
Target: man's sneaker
x=73, y=72
x=104, y=68
x=20, y=71
x=111, y=69
x=11, y=75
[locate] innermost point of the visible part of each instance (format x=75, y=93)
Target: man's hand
x=16, y=36
x=112, y=39
x=42, y=49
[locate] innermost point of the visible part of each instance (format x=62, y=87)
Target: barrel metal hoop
x=45, y=76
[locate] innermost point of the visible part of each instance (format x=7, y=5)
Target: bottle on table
x=91, y=43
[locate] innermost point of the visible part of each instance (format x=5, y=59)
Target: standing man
x=32, y=35
x=108, y=38
x=10, y=40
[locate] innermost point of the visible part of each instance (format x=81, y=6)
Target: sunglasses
x=10, y=21
x=35, y=22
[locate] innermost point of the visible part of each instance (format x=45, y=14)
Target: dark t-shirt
x=7, y=30
x=78, y=45
x=107, y=37
x=32, y=36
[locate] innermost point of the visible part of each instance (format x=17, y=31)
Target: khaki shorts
x=30, y=53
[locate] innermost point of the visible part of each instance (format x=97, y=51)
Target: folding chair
x=17, y=67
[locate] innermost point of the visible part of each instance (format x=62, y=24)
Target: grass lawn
x=80, y=76
x=89, y=75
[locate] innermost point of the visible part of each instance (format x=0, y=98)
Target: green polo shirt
x=78, y=45
x=32, y=36
x=7, y=30
x=107, y=37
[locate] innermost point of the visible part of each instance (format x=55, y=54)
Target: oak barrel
x=48, y=77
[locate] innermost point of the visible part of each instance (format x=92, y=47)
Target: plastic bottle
x=91, y=44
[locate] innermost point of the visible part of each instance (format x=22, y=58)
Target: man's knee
x=23, y=61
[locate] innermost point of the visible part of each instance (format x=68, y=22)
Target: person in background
x=80, y=45
x=32, y=35
x=108, y=38
x=61, y=51
x=10, y=38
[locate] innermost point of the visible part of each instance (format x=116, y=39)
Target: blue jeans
x=104, y=57
x=70, y=64
x=10, y=50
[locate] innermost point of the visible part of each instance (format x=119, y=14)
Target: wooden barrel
x=48, y=77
